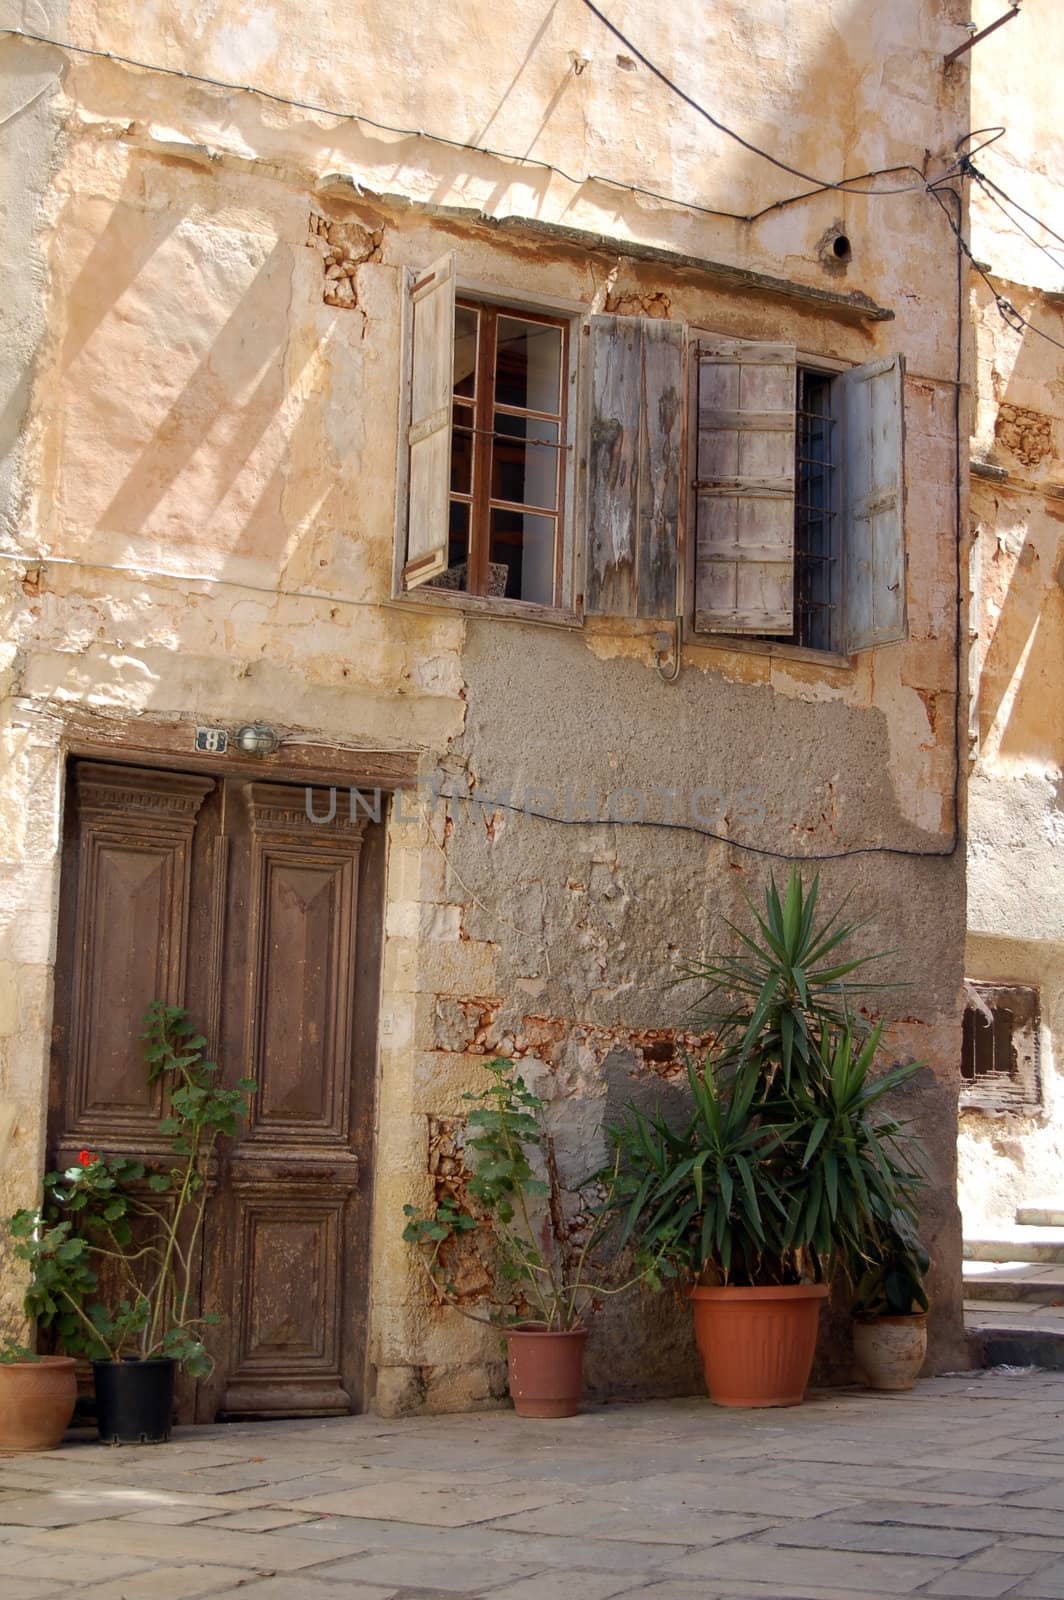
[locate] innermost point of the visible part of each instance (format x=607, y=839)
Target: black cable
x=488, y=805
x=1015, y=319
x=480, y=149
x=983, y=179
x=1027, y=234
x=722, y=127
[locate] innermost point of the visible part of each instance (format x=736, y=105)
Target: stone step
x=1043, y=1216
x=1001, y=1335
x=1019, y=1243
x=1027, y=1282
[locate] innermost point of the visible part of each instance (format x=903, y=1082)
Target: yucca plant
x=787, y=1166
x=774, y=996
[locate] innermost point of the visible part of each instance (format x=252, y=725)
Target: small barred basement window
x=1000, y=1068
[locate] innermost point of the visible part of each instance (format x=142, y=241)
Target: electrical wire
x=1046, y=250
x=1053, y=255
x=983, y=179
x=1015, y=319
x=821, y=184
x=487, y=150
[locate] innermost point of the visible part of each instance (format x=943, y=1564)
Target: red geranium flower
x=86, y=1158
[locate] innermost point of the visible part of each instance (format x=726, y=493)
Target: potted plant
x=534, y=1266
x=890, y=1307
x=37, y=1397
x=114, y=1249
x=785, y=1167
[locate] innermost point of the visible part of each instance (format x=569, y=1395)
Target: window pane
x=462, y=439
x=528, y=365
x=523, y=545
x=465, y=350
x=524, y=467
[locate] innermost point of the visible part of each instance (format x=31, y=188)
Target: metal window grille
x=816, y=540
x=1000, y=1056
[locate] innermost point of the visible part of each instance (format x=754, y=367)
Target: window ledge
x=484, y=606
x=768, y=647
x=854, y=306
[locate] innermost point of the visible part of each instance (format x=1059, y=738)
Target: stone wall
x=203, y=531
x=1016, y=817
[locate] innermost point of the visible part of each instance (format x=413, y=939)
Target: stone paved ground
x=956, y=1489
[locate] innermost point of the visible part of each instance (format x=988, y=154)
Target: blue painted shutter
x=873, y=486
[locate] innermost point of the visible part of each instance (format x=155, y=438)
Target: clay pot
x=546, y=1371
x=889, y=1351
x=36, y=1402
x=757, y=1345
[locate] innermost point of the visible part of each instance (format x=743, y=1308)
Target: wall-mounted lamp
x=257, y=739
x=580, y=61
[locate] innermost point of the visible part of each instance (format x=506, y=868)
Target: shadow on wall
x=1020, y=711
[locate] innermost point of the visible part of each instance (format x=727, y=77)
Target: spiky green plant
x=775, y=995
x=787, y=1166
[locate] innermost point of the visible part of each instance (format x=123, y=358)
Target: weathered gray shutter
x=873, y=423
x=744, y=487
x=634, y=467
x=429, y=436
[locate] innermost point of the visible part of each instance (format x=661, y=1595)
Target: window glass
x=524, y=545
x=528, y=365
x=525, y=461
x=466, y=322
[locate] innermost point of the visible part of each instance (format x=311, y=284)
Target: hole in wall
x=834, y=248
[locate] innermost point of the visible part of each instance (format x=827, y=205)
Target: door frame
x=170, y=745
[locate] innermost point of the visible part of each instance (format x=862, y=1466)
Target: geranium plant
x=114, y=1248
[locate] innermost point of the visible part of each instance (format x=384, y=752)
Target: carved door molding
x=224, y=895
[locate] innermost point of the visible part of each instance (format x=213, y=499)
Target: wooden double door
x=222, y=895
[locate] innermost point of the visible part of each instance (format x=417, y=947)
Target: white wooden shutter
x=873, y=423
x=636, y=436
x=429, y=435
x=744, y=487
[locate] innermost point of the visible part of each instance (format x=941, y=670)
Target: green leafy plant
x=114, y=1248
x=892, y=1284
x=532, y=1265
x=787, y=1166
x=10, y=1353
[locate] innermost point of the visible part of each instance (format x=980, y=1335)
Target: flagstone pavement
x=956, y=1489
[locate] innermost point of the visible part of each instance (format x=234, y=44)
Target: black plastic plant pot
x=134, y=1400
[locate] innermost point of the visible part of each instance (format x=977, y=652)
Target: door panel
x=222, y=895
x=289, y=1182
x=133, y=837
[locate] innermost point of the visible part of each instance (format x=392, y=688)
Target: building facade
x=573, y=480
x=1012, y=1122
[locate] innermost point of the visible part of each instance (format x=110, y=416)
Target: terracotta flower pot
x=889, y=1351
x=757, y=1345
x=546, y=1371
x=36, y=1402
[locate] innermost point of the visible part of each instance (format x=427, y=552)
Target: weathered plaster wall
x=31, y=105
x=206, y=532
x=1016, y=811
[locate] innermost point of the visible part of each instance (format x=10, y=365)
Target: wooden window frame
x=485, y=408
x=567, y=609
